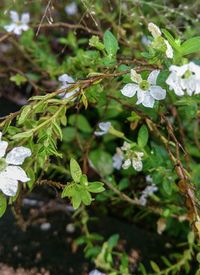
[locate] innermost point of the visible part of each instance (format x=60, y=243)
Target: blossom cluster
x=126, y=157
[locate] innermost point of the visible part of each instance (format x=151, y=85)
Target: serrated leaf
x=75, y=170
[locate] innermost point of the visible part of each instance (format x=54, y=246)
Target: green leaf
x=85, y=196
x=24, y=114
x=94, y=42
x=80, y=122
x=154, y=266
x=192, y=45
x=95, y=187
x=18, y=79
x=75, y=170
x=113, y=240
x=110, y=43
x=171, y=40
x=76, y=199
x=143, y=136
x=68, y=134
x=3, y=204
x=102, y=162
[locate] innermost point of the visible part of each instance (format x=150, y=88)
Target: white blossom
x=104, y=128
x=156, y=33
x=10, y=171
x=66, y=82
x=147, y=90
x=18, y=25
x=118, y=159
x=148, y=191
x=184, y=79
x=71, y=9
x=154, y=30
x=96, y=272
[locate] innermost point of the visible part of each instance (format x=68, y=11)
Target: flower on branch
x=66, y=81
x=71, y=9
x=184, y=79
x=10, y=171
x=148, y=191
x=104, y=128
x=147, y=90
x=18, y=25
x=159, y=41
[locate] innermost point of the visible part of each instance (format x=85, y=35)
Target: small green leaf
x=95, y=187
x=80, y=122
x=94, y=42
x=113, y=240
x=110, y=43
x=3, y=204
x=143, y=136
x=85, y=196
x=18, y=79
x=76, y=200
x=154, y=266
x=75, y=170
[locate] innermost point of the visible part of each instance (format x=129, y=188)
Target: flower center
x=3, y=164
x=144, y=85
x=187, y=74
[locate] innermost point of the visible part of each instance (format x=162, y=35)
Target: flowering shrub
x=110, y=118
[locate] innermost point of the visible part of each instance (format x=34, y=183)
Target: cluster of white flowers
x=147, y=90
x=104, y=128
x=10, y=171
x=184, y=79
x=18, y=25
x=148, y=191
x=157, y=34
x=66, y=82
x=126, y=157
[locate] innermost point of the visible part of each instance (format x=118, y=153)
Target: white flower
x=118, y=159
x=18, y=25
x=147, y=90
x=104, y=128
x=184, y=79
x=137, y=161
x=154, y=30
x=148, y=191
x=66, y=81
x=10, y=171
x=156, y=33
x=96, y=272
x=71, y=9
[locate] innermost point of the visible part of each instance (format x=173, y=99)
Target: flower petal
x=3, y=147
x=129, y=90
x=137, y=164
x=104, y=126
x=154, y=30
x=152, y=78
x=10, y=28
x=169, y=51
x=66, y=78
x=14, y=16
x=14, y=173
x=135, y=77
x=8, y=186
x=140, y=96
x=126, y=164
x=25, y=18
x=157, y=92
x=148, y=101
x=18, y=155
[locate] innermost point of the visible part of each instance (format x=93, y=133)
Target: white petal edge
x=8, y=186
x=17, y=155
x=129, y=90
x=14, y=16
x=3, y=147
x=152, y=78
x=25, y=18
x=157, y=92
x=15, y=173
x=148, y=101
